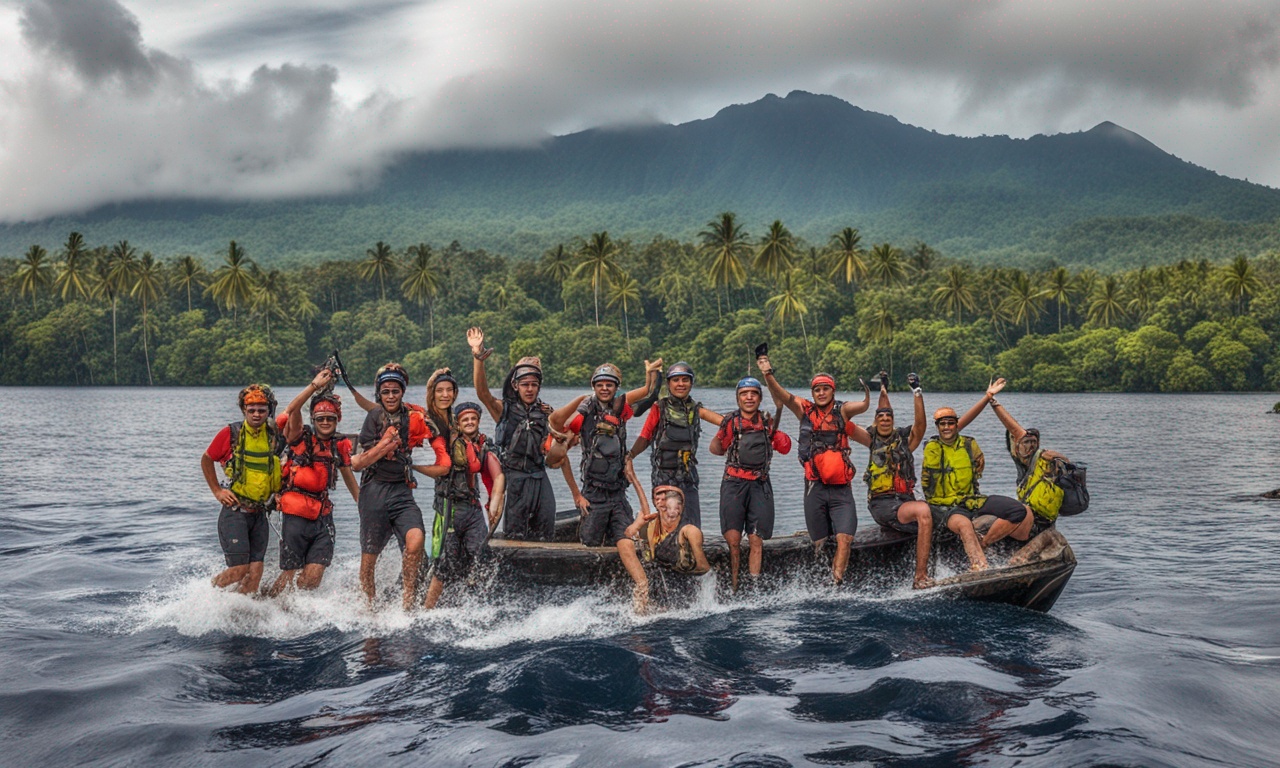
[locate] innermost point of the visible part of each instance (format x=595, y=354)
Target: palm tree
x=1241, y=281
x=787, y=303
x=148, y=282
x=232, y=285
x=381, y=264
x=1141, y=293
x=266, y=300
x=1025, y=300
x=954, y=294
x=878, y=328
x=1059, y=288
x=34, y=274
x=557, y=264
x=599, y=260
x=114, y=270
x=885, y=265
x=921, y=257
x=186, y=273
x=725, y=242
x=75, y=272
x=1084, y=284
x=624, y=291
x=421, y=284
x=846, y=252
x=777, y=251
x=1107, y=304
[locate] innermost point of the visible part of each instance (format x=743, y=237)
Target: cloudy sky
x=110, y=100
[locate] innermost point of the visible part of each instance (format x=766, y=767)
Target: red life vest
x=310, y=472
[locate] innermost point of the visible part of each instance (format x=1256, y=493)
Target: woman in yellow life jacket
x=949, y=475
x=1038, y=470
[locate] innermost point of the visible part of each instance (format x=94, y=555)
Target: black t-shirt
x=389, y=469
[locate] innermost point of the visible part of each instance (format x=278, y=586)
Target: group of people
x=278, y=462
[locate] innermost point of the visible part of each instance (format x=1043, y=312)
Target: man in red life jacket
x=747, y=439
x=317, y=455
x=471, y=462
x=825, y=428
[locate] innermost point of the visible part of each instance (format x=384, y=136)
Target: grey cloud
x=324, y=29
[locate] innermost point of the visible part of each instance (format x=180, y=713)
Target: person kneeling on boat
x=249, y=452
x=891, y=474
x=747, y=439
x=317, y=455
x=463, y=529
x=662, y=538
x=949, y=475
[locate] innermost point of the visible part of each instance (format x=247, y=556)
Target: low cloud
x=95, y=114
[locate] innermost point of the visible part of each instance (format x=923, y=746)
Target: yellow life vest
x=257, y=465
x=1038, y=489
x=948, y=475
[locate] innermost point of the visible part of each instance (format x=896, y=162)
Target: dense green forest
x=87, y=313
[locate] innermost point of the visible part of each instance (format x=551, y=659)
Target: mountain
x=1105, y=196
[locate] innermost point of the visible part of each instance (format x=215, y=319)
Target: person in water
x=472, y=462
x=390, y=432
x=674, y=428
x=1038, y=471
x=825, y=429
x=949, y=476
x=665, y=540
x=249, y=452
x=891, y=473
x=521, y=438
x=317, y=454
x=747, y=439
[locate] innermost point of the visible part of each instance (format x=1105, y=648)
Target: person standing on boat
x=747, y=439
x=673, y=428
x=664, y=540
x=390, y=433
x=891, y=473
x=521, y=438
x=471, y=463
x=1038, y=471
x=249, y=452
x=949, y=475
x=601, y=421
x=317, y=455
x=825, y=429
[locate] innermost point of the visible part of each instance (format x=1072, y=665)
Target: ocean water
x=1163, y=650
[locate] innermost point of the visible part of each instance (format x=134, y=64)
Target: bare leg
x=844, y=544
x=233, y=575
x=631, y=561
x=312, y=573
x=413, y=541
x=433, y=593
x=918, y=512
x=962, y=527
x=755, y=554
x=283, y=582
x=1002, y=528
x=368, y=563
x=693, y=535
x=734, y=540
x=251, y=579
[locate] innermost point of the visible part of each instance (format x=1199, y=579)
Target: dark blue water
x=1164, y=649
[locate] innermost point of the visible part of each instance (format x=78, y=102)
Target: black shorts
x=687, y=483
x=942, y=513
x=305, y=542
x=1003, y=507
x=746, y=506
x=606, y=522
x=243, y=536
x=829, y=509
x=386, y=508
x=530, y=507
x=884, y=510
x=463, y=541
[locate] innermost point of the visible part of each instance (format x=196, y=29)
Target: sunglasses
x=324, y=419
x=256, y=410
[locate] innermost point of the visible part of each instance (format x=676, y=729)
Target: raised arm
x=475, y=338
x=293, y=427
x=987, y=397
x=1015, y=429
x=853, y=408
x=561, y=415
x=918, y=425
x=780, y=396
x=652, y=382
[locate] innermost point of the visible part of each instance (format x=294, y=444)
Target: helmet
x=665, y=489
x=462, y=408
x=750, y=382
x=944, y=413
x=392, y=372
x=680, y=369
x=257, y=394
x=527, y=366
x=607, y=372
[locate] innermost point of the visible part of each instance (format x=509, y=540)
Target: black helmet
x=680, y=369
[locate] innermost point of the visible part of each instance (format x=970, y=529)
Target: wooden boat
x=879, y=556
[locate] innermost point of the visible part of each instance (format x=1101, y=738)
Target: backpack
x=1075, y=498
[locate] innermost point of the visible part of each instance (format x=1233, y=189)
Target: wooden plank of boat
x=1035, y=584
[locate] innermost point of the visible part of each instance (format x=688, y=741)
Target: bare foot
x=1018, y=559
x=640, y=599
x=922, y=582
x=981, y=566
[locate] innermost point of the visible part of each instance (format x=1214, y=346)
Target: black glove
x=913, y=381
x=762, y=349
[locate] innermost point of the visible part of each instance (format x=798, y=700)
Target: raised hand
x=322, y=378
x=913, y=381
x=475, y=338
x=884, y=381
x=995, y=387
x=653, y=367
x=762, y=362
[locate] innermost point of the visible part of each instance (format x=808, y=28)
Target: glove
x=913, y=381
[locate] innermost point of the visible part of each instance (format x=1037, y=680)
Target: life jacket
x=521, y=431
x=666, y=549
x=403, y=455
x=604, y=435
x=254, y=467
x=675, y=442
x=466, y=460
x=890, y=467
x=824, y=446
x=1038, y=488
x=752, y=449
x=948, y=474
x=309, y=473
